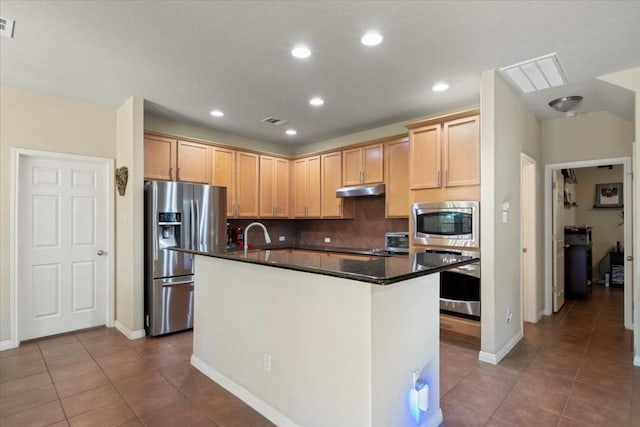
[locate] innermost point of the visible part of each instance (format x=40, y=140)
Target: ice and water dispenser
x=170, y=227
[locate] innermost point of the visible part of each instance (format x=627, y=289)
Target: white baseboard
x=6, y=345
x=262, y=407
x=132, y=335
x=494, y=359
x=539, y=316
x=636, y=361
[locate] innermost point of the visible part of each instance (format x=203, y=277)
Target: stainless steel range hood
x=361, y=190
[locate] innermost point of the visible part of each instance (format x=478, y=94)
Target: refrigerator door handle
x=198, y=228
x=188, y=282
x=192, y=233
x=155, y=226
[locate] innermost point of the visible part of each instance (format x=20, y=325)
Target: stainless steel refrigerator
x=190, y=216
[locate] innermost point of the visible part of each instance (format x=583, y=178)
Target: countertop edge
x=343, y=275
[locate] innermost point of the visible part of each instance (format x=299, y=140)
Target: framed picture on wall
x=608, y=195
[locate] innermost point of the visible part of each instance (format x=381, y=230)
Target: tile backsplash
x=365, y=231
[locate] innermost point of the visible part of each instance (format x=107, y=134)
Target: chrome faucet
x=267, y=239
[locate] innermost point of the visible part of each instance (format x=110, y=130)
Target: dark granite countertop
x=355, y=264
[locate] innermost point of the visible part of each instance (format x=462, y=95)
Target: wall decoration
x=122, y=174
x=609, y=195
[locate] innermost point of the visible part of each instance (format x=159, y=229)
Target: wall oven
x=451, y=223
x=460, y=291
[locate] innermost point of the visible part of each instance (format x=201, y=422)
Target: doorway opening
x=582, y=206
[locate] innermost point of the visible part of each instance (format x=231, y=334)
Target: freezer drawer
x=171, y=305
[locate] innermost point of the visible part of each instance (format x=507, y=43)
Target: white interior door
x=558, y=240
x=528, y=227
x=63, y=232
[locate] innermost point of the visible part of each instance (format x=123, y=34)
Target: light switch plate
x=327, y=239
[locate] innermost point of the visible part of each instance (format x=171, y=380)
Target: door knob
x=629, y=258
x=101, y=252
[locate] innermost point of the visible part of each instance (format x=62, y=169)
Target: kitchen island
x=310, y=338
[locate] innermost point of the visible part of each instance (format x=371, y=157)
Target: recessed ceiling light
x=216, y=113
x=440, y=87
x=291, y=132
x=301, y=52
x=316, y=101
x=371, y=39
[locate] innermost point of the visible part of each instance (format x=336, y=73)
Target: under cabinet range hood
x=361, y=190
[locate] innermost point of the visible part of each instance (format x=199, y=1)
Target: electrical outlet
x=266, y=363
x=327, y=239
x=509, y=316
x=281, y=238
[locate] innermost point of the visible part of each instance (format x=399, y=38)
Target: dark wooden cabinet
x=616, y=269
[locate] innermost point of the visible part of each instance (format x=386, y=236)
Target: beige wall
x=129, y=220
x=508, y=129
x=152, y=123
x=586, y=136
x=37, y=121
x=606, y=223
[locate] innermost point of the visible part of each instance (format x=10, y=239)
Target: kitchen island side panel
x=316, y=329
x=405, y=338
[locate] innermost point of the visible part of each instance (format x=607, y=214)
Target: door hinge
x=146, y=321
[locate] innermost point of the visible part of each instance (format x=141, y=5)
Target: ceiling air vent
x=6, y=27
x=536, y=74
x=273, y=121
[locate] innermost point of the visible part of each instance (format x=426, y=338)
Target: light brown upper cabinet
x=425, y=146
x=363, y=165
x=159, y=157
x=331, y=180
x=223, y=166
x=445, y=154
x=462, y=151
x=274, y=187
x=306, y=187
x=396, y=168
x=193, y=162
x=247, y=185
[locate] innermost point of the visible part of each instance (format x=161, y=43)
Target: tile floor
x=571, y=369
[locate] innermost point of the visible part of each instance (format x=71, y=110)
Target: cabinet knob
x=171, y=174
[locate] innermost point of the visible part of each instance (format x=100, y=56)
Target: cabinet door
x=462, y=152
x=247, y=177
x=223, y=163
x=159, y=158
x=300, y=187
x=424, y=148
x=193, y=162
x=313, y=195
x=352, y=167
x=373, y=164
x=281, y=187
x=397, y=178
x=267, y=176
x=331, y=180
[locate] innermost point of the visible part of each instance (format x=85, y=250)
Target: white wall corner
x=262, y=407
x=494, y=359
x=132, y=335
x=6, y=345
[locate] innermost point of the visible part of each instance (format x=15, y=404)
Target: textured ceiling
x=187, y=58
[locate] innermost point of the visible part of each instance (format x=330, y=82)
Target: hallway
x=571, y=369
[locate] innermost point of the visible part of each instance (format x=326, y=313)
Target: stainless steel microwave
x=452, y=223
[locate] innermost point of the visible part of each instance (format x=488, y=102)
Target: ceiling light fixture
x=440, y=87
x=536, y=74
x=291, y=132
x=216, y=113
x=316, y=101
x=566, y=104
x=371, y=38
x=301, y=52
